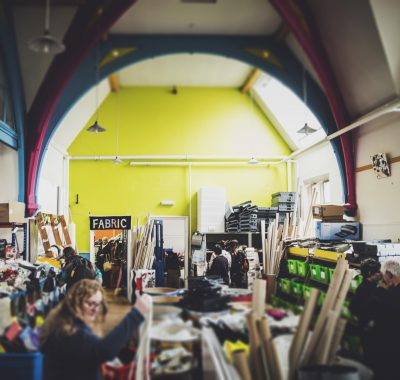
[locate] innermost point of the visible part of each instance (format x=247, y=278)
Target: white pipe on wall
x=178, y=157
x=194, y=163
x=289, y=175
x=392, y=106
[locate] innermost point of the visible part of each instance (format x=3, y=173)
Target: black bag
x=78, y=269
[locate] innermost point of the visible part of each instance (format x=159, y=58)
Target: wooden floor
x=117, y=308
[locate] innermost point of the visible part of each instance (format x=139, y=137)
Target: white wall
x=320, y=162
x=8, y=174
x=52, y=194
x=378, y=199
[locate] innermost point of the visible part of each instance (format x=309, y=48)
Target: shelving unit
x=304, y=269
x=250, y=239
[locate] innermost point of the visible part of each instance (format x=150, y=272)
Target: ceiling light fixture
x=46, y=43
x=117, y=160
x=96, y=127
x=253, y=161
x=305, y=129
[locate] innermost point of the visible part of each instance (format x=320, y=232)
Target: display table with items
x=27, y=293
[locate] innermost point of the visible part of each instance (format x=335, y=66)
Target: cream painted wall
x=9, y=174
x=53, y=182
x=152, y=121
x=378, y=199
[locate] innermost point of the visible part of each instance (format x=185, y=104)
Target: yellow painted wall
x=153, y=121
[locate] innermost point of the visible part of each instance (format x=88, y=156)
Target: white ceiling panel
x=241, y=17
x=188, y=70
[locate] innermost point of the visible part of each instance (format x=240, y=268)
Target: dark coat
x=78, y=356
x=383, y=334
x=219, y=267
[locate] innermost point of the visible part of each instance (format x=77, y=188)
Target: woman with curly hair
x=71, y=349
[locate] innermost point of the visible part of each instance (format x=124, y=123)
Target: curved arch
x=260, y=52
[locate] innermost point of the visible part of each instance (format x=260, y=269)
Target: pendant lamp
x=96, y=127
x=46, y=43
x=117, y=160
x=305, y=129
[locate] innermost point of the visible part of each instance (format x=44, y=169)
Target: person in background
x=226, y=253
x=383, y=333
x=240, y=266
x=76, y=267
x=371, y=271
x=104, y=255
x=71, y=349
x=219, y=266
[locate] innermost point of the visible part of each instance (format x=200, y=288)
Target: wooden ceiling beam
x=114, y=82
x=250, y=81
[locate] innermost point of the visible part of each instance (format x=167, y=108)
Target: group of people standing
x=229, y=261
x=376, y=305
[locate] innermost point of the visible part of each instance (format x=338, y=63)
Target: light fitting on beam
x=46, y=43
x=253, y=161
x=96, y=128
x=117, y=160
x=306, y=130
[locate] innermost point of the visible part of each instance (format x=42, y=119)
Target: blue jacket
x=79, y=356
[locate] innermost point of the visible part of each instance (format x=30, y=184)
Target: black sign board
x=110, y=222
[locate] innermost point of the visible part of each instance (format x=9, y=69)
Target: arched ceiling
x=353, y=42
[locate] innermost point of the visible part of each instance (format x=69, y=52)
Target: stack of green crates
x=292, y=266
x=297, y=288
x=285, y=285
x=302, y=267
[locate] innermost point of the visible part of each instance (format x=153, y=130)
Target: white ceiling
x=360, y=38
x=186, y=70
x=239, y=17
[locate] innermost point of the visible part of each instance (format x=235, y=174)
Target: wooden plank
x=65, y=230
x=43, y=232
x=369, y=167
x=337, y=337
x=274, y=369
x=250, y=81
x=56, y=232
x=323, y=349
x=264, y=251
x=259, y=296
x=255, y=348
x=328, y=304
x=300, y=337
x=241, y=363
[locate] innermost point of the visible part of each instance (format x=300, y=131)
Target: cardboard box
x=326, y=211
x=338, y=230
x=12, y=212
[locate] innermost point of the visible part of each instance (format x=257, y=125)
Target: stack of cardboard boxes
x=332, y=225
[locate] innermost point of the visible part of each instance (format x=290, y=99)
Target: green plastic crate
x=321, y=298
x=297, y=288
x=292, y=266
x=345, y=310
x=355, y=283
x=285, y=285
x=302, y=267
x=314, y=272
x=306, y=292
x=323, y=276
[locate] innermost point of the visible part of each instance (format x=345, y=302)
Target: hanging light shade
x=306, y=129
x=117, y=160
x=96, y=128
x=46, y=43
x=253, y=161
